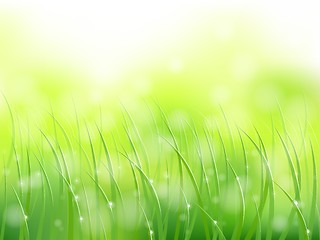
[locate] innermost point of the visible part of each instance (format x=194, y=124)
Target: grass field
x=159, y=121
x=154, y=174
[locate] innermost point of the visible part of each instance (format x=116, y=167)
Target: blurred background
x=190, y=57
x=256, y=60
x=96, y=58
x=184, y=54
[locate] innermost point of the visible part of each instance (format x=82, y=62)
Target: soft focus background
x=255, y=63
x=206, y=52
x=189, y=56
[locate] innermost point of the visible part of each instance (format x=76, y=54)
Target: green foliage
x=159, y=176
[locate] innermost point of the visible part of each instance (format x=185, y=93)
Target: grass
x=164, y=179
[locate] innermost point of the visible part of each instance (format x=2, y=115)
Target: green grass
x=163, y=178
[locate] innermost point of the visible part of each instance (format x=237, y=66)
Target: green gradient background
x=191, y=75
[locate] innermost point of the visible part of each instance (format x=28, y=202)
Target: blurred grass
x=182, y=144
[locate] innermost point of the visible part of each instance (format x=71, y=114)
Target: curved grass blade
x=193, y=181
x=292, y=169
x=71, y=198
x=215, y=222
x=297, y=162
x=313, y=206
x=5, y=194
x=166, y=122
x=17, y=159
x=224, y=152
x=95, y=168
x=138, y=195
x=46, y=178
x=270, y=186
x=143, y=148
x=268, y=189
x=151, y=232
x=239, y=227
x=13, y=130
x=158, y=144
x=295, y=184
x=188, y=206
x=56, y=158
x=67, y=179
x=299, y=213
x=88, y=213
x=245, y=158
x=214, y=164
x=29, y=190
x=258, y=232
x=109, y=162
x=25, y=217
x=110, y=205
x=229, y=131
x=204, y=177
x=116, y=186
x=64, y=132
x=154, y=192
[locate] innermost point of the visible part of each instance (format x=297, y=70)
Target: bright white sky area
x=97, y=34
